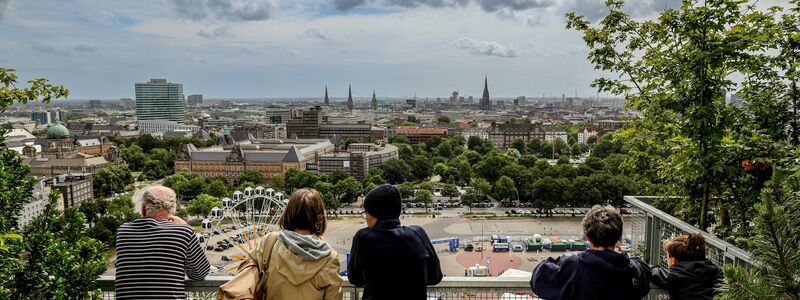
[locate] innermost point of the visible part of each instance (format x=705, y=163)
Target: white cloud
x=488, y=48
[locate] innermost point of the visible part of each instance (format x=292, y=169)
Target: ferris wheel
x=234, y=230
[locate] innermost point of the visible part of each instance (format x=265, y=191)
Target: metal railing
x=651, y=227
x=451, y=288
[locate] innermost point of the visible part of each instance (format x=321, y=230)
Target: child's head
x=685, y=248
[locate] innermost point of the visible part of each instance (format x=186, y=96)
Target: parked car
x=478, y=248
x=469, y=248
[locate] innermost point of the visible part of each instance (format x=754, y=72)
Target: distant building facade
x=358, y=131
x=194, y=100
x=481, y=133
x=307, y=125
x=267, y=157
x=418, y=135
x=75, y=188
x=159, y=100
x=152, y=126
x=62, y=154
x=503, y=135
x=358, y=159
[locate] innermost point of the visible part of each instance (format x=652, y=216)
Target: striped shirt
x=152, y=258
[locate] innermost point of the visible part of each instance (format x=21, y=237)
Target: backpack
x=250, y=281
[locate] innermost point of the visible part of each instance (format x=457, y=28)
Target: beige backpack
x=250, y=282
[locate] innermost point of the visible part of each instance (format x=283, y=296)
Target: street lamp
x=482, y=249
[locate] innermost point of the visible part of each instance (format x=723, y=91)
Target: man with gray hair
x=155, y=251
x=597, y=273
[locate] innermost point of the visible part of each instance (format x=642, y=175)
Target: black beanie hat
x=383, y=202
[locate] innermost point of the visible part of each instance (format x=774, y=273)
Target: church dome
x=57, y=131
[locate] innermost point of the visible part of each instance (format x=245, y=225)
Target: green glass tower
x=160, y=100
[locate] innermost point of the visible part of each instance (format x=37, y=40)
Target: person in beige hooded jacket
x=302, y=265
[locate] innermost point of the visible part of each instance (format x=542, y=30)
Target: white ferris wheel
x=235, y=229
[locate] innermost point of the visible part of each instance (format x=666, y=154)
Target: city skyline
x=278, y=48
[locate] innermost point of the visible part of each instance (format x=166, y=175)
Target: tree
x=777, y=229
x=520, y=146
x=154, y=169
x=251, y=176
x=202, y=205
x=450, y=191
x=191, y=186
x=337, y=176
x=276, y=181
x=52, y=258
x=395, y=171
x=113, y=214
x=505, y=188
x=472, y=196
x=134, y=156
x=348, y=189
x=406, y=190
x=491, y=164
x=60, y=262
x=217, y=189
x=443, y=120
x=676, y=70
x=424, y=196
x=481, y=185
x=110, y=180
x=297, y=179
x=473, y=142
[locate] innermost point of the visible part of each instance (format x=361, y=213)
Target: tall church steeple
x=485, y=103
x=349, y=97
x=374, y=101
x=327, y=101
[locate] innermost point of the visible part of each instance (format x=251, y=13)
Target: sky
x=98, y=49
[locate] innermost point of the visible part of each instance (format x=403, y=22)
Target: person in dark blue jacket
x=597, y=273
x=389, y=260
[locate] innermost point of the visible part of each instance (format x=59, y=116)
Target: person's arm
x=434, y=268
x=354, y=272
x=197, y=266
x=660, y=277
x=544, y=280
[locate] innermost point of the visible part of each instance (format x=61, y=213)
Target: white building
x=162, y=126
x=586, y=132
x=481, y=133
x=37, y=204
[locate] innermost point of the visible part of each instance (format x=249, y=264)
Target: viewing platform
x=649, y=225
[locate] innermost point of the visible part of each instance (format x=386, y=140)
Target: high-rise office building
x=485, y=103
x=349, y=97
x=307, y=125
x=194, y=100
x=127, y=103
x=160, y=100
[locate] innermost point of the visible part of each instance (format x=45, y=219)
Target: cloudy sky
x=293, y=48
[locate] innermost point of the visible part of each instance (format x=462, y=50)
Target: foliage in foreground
x=52, y=258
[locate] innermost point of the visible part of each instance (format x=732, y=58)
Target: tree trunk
x=724, y=218
x=795, y=122
x=704, y=204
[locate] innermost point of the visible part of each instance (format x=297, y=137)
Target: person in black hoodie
x=690, y=274
x=597, y=273
x=389, y=260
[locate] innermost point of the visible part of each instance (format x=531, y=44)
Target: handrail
x=735, y=254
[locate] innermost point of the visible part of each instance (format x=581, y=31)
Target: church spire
x=485, y=103
x=327, y=102
x=374, y=101
x=349, y=97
